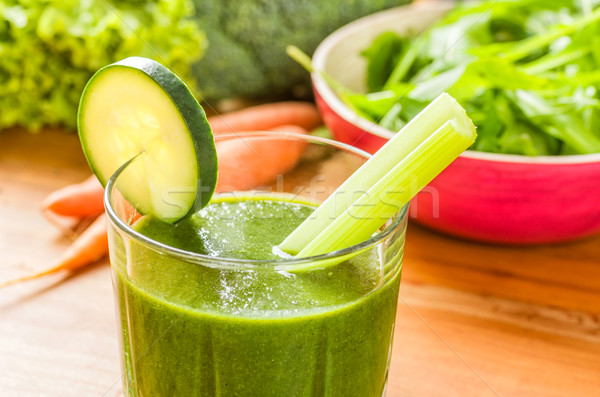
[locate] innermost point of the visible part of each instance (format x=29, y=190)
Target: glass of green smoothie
x=210, y=306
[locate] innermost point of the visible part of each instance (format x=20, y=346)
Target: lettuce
x=50, y=48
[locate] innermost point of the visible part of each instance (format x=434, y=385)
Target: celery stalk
x=408, y=143
x=388, y=195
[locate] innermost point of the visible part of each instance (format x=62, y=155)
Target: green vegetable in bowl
x=527, y=72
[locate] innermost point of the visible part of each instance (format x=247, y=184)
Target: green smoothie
x=218, y=329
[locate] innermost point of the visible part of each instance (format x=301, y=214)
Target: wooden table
x=473, y=320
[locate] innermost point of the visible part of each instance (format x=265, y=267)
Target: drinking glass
x=199, y=325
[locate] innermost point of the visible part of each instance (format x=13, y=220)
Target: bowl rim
x=323, y=90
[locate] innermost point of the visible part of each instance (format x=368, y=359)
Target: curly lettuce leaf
x=49, y=49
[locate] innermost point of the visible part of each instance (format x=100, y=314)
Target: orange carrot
x=247, y=163
x=124, y=209
x=77, y=200
x=243, y=164
x=86, y=198
x=267, y=116
x=90, y=246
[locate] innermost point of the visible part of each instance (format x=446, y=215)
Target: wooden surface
x=473, y=320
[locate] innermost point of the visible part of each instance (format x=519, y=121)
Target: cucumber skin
x=191, y=113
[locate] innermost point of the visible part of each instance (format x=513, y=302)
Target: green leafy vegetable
x=50, y=49
x=380, y=63
x=528, y=73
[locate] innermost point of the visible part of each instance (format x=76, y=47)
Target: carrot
x=243, y=163
x=77, y=200
x=124, y=209
x=247, y=163
x=267, y=116
x=86, y=198
x=90, y=246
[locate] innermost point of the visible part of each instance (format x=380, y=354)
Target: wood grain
x=473, y=320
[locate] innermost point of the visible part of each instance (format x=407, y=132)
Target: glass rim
x=202, y=259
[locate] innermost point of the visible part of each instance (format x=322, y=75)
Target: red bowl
x=481, y=196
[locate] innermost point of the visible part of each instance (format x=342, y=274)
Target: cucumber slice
x=138, y=106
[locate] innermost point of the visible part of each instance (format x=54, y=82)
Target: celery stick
x=407, y=140
x=381, y=201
